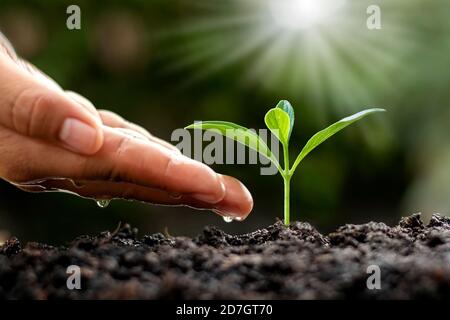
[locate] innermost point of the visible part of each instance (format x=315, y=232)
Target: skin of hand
x=51, y=139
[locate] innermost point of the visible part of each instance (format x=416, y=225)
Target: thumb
x=33, y=108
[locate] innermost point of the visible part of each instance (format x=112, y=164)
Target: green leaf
x=278, y=123
x=238, y=133
x=287, y=107
x=326, y=133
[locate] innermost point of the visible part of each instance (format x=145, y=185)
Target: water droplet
x=228, y=219
x=103, y=203
x=239, y=219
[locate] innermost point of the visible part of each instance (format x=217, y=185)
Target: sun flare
x=303, y=14
x=316, y=49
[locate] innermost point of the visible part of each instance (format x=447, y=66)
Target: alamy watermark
x=74, y=279
x=211, y=147
x=73, y=21
x=373, y=21
x=374, y=280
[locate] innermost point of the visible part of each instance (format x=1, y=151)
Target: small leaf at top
x=326, y=133
x=287, y=107
x=278, y=123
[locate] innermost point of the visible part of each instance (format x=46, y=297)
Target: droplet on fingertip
x=103, y=203
x=228, y=219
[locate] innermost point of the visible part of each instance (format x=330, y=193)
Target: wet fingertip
x=231, y=216
x=242, y=198
x=247, y=199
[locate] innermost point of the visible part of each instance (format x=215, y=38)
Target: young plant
x=280, y=121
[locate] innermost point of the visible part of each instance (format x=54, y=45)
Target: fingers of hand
x=113, y=120
x=133, y=169
x=33, y=108
x=83, y=102
x=149, y=164
x=121, y=158
x=237, y=203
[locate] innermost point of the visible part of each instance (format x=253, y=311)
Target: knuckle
x=17, y=119
x=27, y=111
x=40, y=117
x=17, y=171
x=116, y=172
x=87, y=167
x=170, y=166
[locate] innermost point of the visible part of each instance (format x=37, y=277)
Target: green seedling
x=280, y=121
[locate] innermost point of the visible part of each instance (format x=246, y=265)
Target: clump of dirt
x=278, y=262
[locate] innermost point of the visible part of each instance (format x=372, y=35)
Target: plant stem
x=287, y=213
x=287, y=182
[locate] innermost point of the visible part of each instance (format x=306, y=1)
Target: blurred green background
x=165, y=63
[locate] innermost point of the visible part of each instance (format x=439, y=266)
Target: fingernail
x=78, y=135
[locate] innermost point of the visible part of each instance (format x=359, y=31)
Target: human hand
x=51, y=139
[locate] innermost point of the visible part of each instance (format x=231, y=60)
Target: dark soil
x=294, y=262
